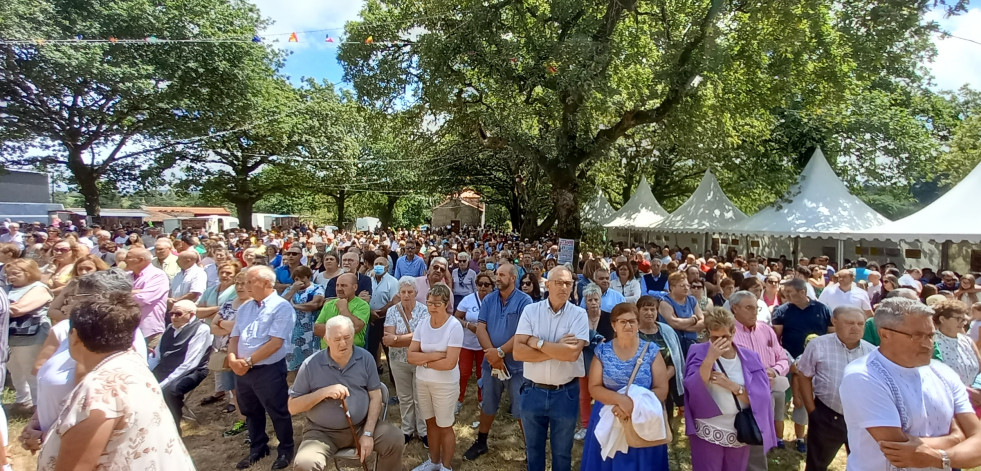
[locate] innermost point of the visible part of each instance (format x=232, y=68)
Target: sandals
x=212, y=399
x=229, y=408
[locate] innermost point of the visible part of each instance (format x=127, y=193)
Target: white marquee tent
x=708, y=209
x=951, y=217
x=641, y=212
x=818, y=205
x=598, y=210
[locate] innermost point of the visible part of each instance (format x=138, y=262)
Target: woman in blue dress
x=610, y=371
x=307, y=297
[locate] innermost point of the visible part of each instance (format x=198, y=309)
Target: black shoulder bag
x=747, y=430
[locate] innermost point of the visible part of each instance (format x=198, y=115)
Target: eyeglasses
x=176, y=313
x=563, y=284
x=772, y=282
x=485, y=285
x=696, y=286
x=435, y=303
x=57, y=250
x=913, y=337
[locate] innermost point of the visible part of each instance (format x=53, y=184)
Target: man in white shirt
x=549, y=340
x=384, y=294
x=180, y=361
x=821, y=368
x=14, y=236
x=191, y=281
x=845, y=293
x=898, y=401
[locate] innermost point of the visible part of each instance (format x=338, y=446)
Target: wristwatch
x=500, y=351
x=739, y=392
x=945, y=460
x=539, y=345
x=248, y=361
x=366, y=433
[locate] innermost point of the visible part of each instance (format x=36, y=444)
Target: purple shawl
x=699, y=403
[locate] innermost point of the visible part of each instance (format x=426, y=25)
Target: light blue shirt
x=258, y=322
x=609, y=299
x=405, y=267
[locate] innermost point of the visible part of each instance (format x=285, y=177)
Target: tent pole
x=945, y=255
x=796, y=248
x=841, y=252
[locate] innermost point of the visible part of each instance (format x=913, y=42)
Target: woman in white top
x=957, y=349
x=435, y=350
x=627, y=282
x=401, y=321
x=471, y=355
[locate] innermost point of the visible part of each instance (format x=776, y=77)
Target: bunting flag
x=369, y=40
x=329, y=39
x=112, y=39
x=551, y=69
x=293, y=38
x=256, y=39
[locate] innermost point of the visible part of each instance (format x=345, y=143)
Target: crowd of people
x=108, y=332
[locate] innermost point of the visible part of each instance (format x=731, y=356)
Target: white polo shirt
x=539, y=320
x=192, y=280
x=833, y=297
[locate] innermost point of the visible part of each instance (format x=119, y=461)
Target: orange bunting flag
x=112, y=39
x=293, y=38
x=551, y=69
x=329, y=39
x=369, y=40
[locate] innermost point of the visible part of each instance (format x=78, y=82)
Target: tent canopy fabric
x=817, y=205
x=707, y=209
x=597, y=211
x=640, y=212
x=950, y=217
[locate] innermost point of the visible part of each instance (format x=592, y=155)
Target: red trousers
x=470, y=360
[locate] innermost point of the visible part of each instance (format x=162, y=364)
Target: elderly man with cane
x=340, y=391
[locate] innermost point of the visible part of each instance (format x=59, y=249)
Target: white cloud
x=958, y=61
x=308, y=15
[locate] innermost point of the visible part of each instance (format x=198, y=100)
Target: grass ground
x=212, y=452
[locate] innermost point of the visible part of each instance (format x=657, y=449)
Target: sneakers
x=580, y=434
x=428, y=465
x=801, y=446
x=459, y=406
x=781, y=444
x=475, y=451
x=425, y=441
x=408, y=438
x=236, y=429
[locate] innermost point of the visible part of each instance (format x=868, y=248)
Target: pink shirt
x=763, y=340
x=154, y=288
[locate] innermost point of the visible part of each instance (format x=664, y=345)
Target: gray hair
x=112, y=280
x=408, y=282
x=264, y=272
x=591, y=289
x=738, y=296
x=439, y=260
x=441, y=291
x=338, y=321
x=893, y=311
x=906, y=293
x=559, y=268
x=843, y=310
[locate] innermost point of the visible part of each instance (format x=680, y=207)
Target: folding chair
x=348, y=455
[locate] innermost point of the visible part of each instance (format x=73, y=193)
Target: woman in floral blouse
x=115, y=418
x=400, y=322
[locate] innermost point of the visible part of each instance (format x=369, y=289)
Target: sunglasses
x=485, y=285
x=526, y=283
x=56, y=250
x=696, y=286
x=296, y=254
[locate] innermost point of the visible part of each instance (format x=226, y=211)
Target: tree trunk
x=340, y=198
x=388, y=211
x=565, y=198
x=243, y=210
x=88, y=185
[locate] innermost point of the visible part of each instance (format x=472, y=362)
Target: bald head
x=137, y=259
x=347, y=285
x=187, y=259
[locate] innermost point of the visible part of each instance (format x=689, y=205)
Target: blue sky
x=957, y=62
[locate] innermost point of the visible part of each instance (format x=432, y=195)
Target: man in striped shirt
x=822, y=366
x=756, y=335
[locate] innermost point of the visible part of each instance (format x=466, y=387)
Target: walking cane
x=354, y=434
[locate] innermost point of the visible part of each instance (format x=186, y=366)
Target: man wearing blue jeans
x=549, y=340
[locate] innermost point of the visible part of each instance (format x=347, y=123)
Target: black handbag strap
x=734, y=398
